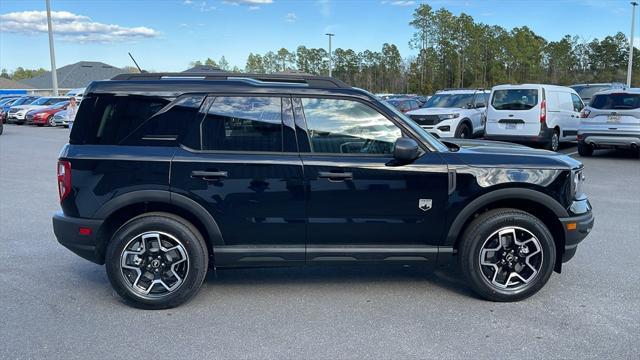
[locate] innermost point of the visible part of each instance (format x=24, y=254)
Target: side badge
x=424, y=204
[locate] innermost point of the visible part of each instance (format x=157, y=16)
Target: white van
x=533, y=113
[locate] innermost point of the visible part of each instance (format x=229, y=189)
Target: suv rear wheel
x=507, y=255
x=585, y=149
x=554, y=141
x=156, y=261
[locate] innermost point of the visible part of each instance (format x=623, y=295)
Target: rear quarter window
x=616, y=101
x=514, y=99
x=134, y=119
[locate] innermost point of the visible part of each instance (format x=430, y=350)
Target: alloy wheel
x=511, y=258
x=154, y=264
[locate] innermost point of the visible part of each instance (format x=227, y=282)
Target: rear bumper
x=574, y=234
x=542, y=138
x=67, y=231
x=628, y=139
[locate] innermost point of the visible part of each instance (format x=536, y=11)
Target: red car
x=44, y=116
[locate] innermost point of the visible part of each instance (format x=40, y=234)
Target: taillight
x=64, y=179
x=585, y=113
x=543, y=111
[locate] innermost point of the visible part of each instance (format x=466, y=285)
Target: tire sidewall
x=190, y=239
x=461, y=130
x=480, y=234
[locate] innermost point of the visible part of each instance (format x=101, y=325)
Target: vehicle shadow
x=615, y=154
x=447, y=278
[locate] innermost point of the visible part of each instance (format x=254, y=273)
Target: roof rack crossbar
x=310, y=80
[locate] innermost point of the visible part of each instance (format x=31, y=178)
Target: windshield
x=22, y=101
x=449, y=101
x=514, y=99
x=415, y=127
x=41, y=101
x=619, y=101
x=587, y=91
x=60, y=104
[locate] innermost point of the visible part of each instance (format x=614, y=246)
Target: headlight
x=577, y=183
x=448, y=116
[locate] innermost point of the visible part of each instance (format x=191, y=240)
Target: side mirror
x=480, y=105
x=405, y=150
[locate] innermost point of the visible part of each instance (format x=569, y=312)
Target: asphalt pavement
x=55, y=304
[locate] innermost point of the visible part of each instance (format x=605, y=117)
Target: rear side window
x=617, y=101
x=109, y=119
x=243, y=124
x=515, y=99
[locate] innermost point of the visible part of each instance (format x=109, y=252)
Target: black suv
x=167, y=175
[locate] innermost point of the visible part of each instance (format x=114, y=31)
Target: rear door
x=360, y=205
x=240, y=162
x=514, y=112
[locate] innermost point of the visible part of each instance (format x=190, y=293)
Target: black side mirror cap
x=480, y=105
x=405, y=150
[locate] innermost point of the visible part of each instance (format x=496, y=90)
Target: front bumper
x=576, y=228
x=67, y=231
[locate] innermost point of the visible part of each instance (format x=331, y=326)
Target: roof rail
x=297, y=78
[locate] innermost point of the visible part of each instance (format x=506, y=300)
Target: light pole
x=52, y=52
x=633, y=30
x=330, y=36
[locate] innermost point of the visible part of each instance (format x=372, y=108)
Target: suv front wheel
x=507, y=255
x=156, y=261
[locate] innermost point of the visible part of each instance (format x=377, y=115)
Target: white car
x=453, y=113
x=533, y=113
x=77, y=93
x=17, y=114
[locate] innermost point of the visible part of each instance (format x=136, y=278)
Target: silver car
x=611, y=120
x=60, y=119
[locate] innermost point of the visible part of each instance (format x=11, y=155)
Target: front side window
x=243, y=124
x=339, y=126
x=480, y=100
x=515, y=99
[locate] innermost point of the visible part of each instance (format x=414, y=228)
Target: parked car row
x=36, y=110
x=547, y=115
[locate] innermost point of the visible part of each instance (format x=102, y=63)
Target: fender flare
x=497, y=195
x=165, y=197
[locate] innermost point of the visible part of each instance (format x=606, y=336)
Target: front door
x=362, y=206
x=244, y=169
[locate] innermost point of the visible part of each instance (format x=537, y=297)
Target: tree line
x=458, y=52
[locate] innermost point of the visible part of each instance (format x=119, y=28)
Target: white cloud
x=70, y=26
x=325, y=7
x=291, y=17
x=187, y=2
x=254, y=8
x=398, y=2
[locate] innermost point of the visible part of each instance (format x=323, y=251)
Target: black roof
x=294, y=78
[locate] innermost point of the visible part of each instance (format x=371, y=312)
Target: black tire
x=50, y=121
x=482, y=230
x=1, y=127
x=193, y=246
x=585, y=149
x=554, y=141
x=463, y=131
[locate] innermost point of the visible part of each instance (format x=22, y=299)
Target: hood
x=485, y=153
x=434, y=111
x=29, y=107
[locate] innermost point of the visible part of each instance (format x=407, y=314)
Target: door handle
x=335, y=176
x=209, y=175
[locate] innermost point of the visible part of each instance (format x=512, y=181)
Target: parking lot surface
x=57, y=305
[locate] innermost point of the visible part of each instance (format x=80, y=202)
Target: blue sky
x=165, y=35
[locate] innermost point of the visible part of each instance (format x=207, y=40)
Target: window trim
x=405, y=131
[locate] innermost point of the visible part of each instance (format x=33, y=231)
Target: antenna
x=135, y=62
